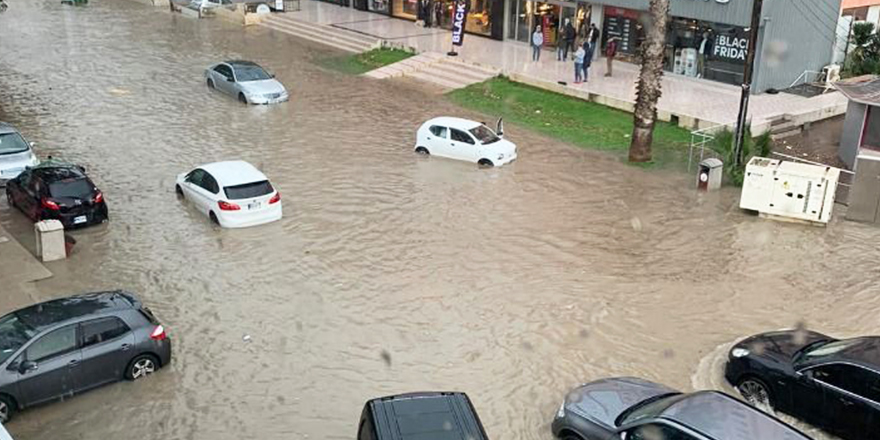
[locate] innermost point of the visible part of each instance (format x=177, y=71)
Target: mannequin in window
x=703, y=50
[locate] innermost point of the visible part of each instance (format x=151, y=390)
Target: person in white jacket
x=537, y=42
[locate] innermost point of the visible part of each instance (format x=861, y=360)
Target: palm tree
x=649, y=85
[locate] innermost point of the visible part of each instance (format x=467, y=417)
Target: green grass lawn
x=585, y=124
x=367, y=61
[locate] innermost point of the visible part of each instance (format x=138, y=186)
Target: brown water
x=511, y=284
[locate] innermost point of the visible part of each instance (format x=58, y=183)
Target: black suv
x=428, y=415
x=830, y=383
x=64, y=346
x=60, y=191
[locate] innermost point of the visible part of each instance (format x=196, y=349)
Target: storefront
x=524, y=16
x=439, y=13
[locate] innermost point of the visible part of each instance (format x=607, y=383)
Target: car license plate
x=79, y=219
x=253, y=206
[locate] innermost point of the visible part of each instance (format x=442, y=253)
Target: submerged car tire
x=423, y=151
x=485, y=163
x=213, y=218
x=570, y=436
x=7, y=408
x=179, y=191
x=242, y=99
x=210, y=83
x=756, y=393
x=141, y=366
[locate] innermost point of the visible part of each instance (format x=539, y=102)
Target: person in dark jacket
x=569, y=34
x=594, y=36
x=610, y=53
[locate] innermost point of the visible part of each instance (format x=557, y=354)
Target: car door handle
x=73, y=363
x=125, y=347
x=847, y=402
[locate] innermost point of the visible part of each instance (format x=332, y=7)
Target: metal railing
x=820, y=77
x=700, y=139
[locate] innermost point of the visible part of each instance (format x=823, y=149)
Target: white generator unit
x=789, y=190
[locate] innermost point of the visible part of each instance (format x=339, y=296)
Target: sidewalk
x=19, y=269
x=697, y=103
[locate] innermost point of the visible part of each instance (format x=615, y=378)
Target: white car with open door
x=233, y=194
x=466, y=140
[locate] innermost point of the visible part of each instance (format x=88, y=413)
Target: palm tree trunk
x=650, y=75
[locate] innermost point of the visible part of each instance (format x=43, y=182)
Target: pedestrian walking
x=429, y=6
x=588, y=61
x=438, y=13
x=594, y=37
x=561, y=48
x=570, y=35
x=537, y=42
x=579, y=65
x=610, y=53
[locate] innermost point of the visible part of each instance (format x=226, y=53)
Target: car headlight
x=561, y=412
x=739, y=352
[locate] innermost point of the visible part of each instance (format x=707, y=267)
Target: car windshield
x=75, y=188
x=826, y=349
x=484, y=135
x=11, y=143
x=250, y=73
x=248, y=190
x=649, y=408
x=13, y=334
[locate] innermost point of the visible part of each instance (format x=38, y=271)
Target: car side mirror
x=272, y=76
x=27, y=366
x=230, y=79
x=33, y=144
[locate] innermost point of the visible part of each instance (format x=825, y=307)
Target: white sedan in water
x=247, y=81
x=233, y=194
x=466, y=140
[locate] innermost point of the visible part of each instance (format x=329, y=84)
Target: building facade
x=706, y=38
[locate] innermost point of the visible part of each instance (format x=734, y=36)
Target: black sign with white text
x=458, y=21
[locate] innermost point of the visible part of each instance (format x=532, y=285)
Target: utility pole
x=747, y=82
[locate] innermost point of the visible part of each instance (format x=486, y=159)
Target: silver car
x=15, y=153
x=247, y=81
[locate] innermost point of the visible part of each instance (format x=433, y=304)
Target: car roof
x=434, y=415
x=241, y=63
x=55, y=170
x=7, y=128
x=865, y=352
x=722, y=417
x=234, y=172
x=460, y=123
x=57, y=311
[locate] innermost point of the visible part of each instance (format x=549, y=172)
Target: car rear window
x=78, y=188
x=248, y=190
x=149, y=315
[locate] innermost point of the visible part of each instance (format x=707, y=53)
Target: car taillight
x=48, y=204
x=276, y=198
x=158, y=333
x=226, y=206
x=99, y=197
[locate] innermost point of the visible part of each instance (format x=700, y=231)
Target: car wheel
x=10, y=200
x=7, y=408
x=570, y=437
x=210, y=83
x=141, y=366
x=423, y=151
x=756, y=393
x=214, y=219
x=242, y=99
x=179, y=191
x=485, y=163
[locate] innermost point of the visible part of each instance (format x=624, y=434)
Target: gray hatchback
x=64, y=346
x=635, y=409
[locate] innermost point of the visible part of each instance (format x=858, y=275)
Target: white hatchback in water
x=233, y=194
x=466, y=140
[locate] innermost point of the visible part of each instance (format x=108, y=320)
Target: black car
x=830, y=383
x=629, y=408
x=60, y=191
x=428, y=415
x=65, y=346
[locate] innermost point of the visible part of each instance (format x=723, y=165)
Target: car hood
x=782, y=344
x=605, y=400
x=503, y=146
x=262, y=87
x=14, y=163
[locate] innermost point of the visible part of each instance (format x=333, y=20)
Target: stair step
x=490, y=71
x=325, y=30
x=346, y=46
x=461, y=71
x=784, y=127
x=429, y=77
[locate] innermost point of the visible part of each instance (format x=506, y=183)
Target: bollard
x=50, y=240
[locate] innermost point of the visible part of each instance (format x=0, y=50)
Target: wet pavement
x=510, y=284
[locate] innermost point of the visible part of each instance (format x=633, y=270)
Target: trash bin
x=50, y=240
x=709, y=177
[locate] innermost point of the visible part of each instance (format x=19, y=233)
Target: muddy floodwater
x=389, y=272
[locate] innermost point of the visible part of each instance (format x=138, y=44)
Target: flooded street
x=510, y=284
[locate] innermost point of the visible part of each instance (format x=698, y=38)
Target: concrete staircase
x=331, y=36
x=782, y=128
x=445, y=72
